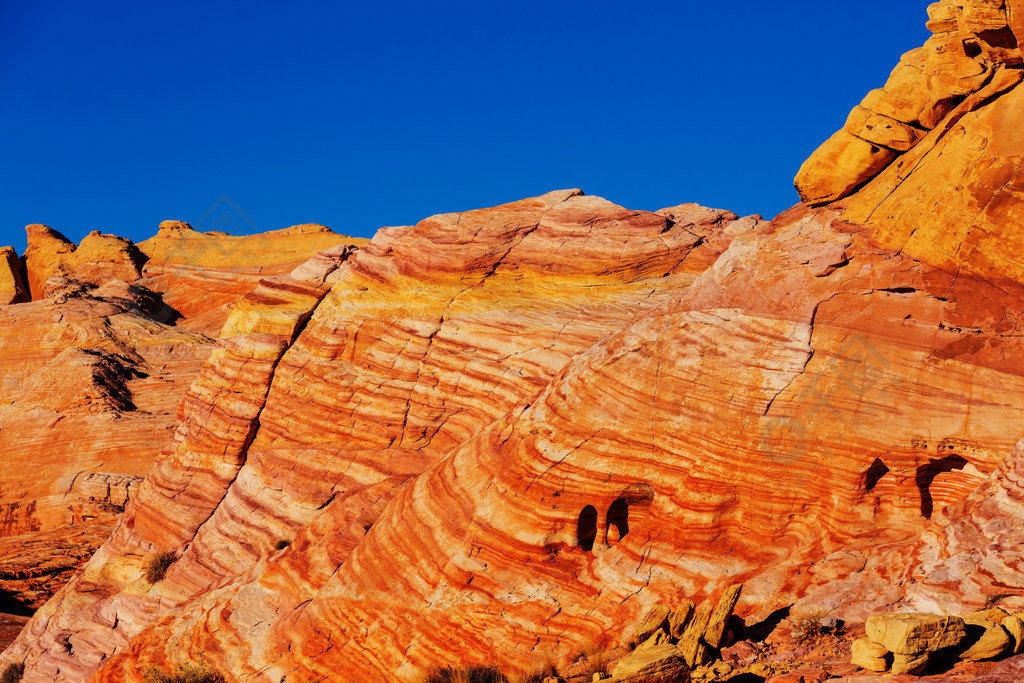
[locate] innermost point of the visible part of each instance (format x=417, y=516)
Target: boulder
x=988, y=640
x=912, y=634
x=691, y=645
x=740, y=654
x=659, y=637
x=719, y=621
x=656, y=618
x=13, y=289
x=870, y=655
x=680, y=618
x=660, y=660
x=1014, y=625
x=909, y=664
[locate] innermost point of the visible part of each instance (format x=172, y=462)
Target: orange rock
x=201, y=275
x=13, y=289
x=417, y=326
x=968, y=56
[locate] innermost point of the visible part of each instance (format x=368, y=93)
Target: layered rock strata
x=428, y=335
x=100, y=362
x=505, y=432
x=202, y=274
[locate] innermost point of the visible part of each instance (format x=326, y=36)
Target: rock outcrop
x=201, y=275
x=498, y=435
x=13, y=289
x=101, y=363
x=429, y=335
x=972, y=57
x=98, y=259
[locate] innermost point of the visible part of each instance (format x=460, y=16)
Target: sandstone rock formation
x=98, y=259
x=498, y=435
x=13, y=289
x=98, y=363
x=972, y=57
x=429, y=334
x=201, y=275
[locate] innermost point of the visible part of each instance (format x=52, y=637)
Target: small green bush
x=184, y=673
x=472, y=674
x=156, y=568
x=13, y=672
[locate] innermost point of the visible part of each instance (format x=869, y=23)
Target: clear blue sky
x=117, y=115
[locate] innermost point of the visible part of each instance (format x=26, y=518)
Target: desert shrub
x=472, y=674
x=156, y=568
x=810, y=626
x=13, y=672
x=184, y=673
x=282, y=544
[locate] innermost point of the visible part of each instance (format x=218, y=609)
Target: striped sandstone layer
x=202, y=274
x=804, y=396
x=93, y=373
x=429, y=335
x=506, y=433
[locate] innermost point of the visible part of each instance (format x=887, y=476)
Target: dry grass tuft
x=156, y=568
x=13, y=672
x=185, y=673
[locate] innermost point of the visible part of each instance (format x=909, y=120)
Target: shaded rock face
x=13, y=289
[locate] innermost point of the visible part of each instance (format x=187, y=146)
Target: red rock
x=445, y=354
x=740, y=654
x=504, y=433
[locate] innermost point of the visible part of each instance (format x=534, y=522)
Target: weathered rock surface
x=453, y=323
x=92, y=367
x=13, y=289
x=430, y=450
x=98, y=259
x=972, y=56
x=913, y=634
x=202, y=274
x=98, y=364
x=869, y=655
x=660, y=660
x=988, y=640
x=527, y=425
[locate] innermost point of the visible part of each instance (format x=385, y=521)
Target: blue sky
x=118, y=115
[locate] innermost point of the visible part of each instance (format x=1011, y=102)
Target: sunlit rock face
x=499, y=435
x=429, y=334
x=971, y=58
x=92, y=374
x=202, y=274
